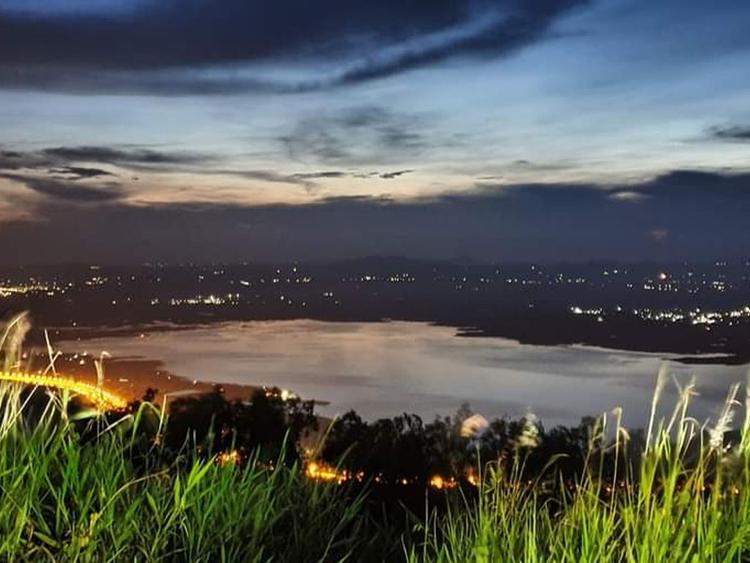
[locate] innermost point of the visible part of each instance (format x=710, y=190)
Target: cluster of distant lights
x=691, y=281
x=665, y=282
x=213, y=300
x=98, y=280
x=278, y=278
x=404, y=277
x=31, y=287
x=696, y=316
x=324, y=472
x=230, y=299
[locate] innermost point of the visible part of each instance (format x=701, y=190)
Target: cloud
x=128, y=156
x=53, y=171
x=15, y=160
x=328, y=174
x=60, y=160
x=69, y=191
x=56, y=173
x=737, y=133
x=59, y=163
x=682, y=215
x=265, y=175
x=628, y=195
x=357, y=136
x=78, y=172
x=495, y=34
x=394, y=174
x=321, y=175
x=151, y=47
x=308, y=180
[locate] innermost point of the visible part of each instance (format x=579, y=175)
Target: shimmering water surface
x=384, y=369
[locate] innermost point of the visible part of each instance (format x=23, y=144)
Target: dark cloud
x=59, y=164
x=340, y=174
x=265, y=175
x=394, y=174
x=739, y=133
x=78, y=172
x=503, y=35
x=15, y=160
x=132, y=157
x=69, y=191
x=53, y=172
x=358, y=136
x=322, y=175
x=308, y=180
x=61, y=160
x=680, y=215
x=148, y=48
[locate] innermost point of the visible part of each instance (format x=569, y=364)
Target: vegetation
x=63, y=499
x=686, y=500
x=220, y=481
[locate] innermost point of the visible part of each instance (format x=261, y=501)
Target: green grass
x=687, y=500
x=64, y=500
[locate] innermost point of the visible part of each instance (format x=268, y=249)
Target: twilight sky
x=198, y=130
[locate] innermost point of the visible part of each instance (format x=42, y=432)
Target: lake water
x=384, y=369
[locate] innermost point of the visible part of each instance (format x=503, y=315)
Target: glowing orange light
x=322, y=472
x=472, y=478
x=103, y=399
x=439, y=482
x=229, y=458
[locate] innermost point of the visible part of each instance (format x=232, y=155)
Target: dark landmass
x=684, y=309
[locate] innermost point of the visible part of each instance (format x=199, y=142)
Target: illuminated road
x=103, y=399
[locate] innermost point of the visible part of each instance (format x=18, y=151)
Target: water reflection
x=383, y=369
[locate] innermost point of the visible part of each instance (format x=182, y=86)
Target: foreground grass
x=62, y=500
x=108, y=498
x=687, y=499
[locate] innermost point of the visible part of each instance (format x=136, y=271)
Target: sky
x=490, y=130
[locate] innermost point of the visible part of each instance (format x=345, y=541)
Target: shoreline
x=132, y=376
x=681, y=355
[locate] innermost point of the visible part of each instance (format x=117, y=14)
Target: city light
x=318, y=471
x=103, y=399
x=232, y=457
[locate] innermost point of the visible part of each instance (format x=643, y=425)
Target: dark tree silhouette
x=266, y=425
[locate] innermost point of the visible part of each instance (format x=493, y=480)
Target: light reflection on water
x=384, y=369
